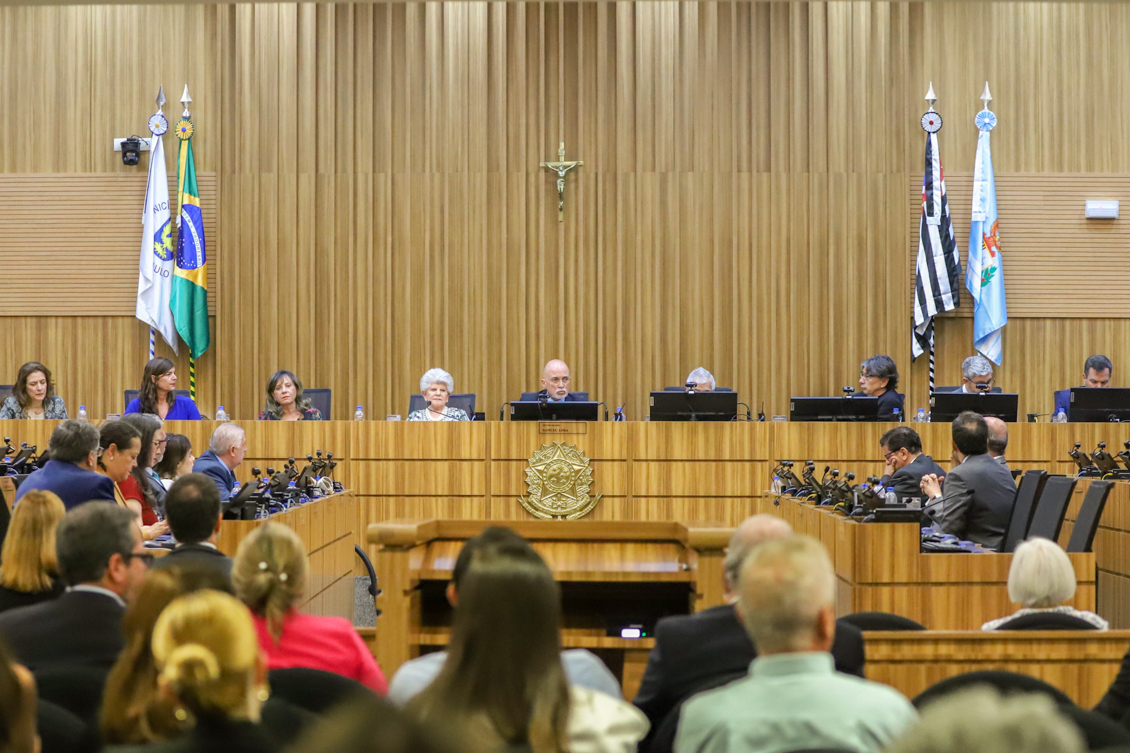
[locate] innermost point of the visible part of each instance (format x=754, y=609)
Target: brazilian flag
x=189, y=298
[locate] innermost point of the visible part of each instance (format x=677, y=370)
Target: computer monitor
x=533, y=410
x=948, y=405
x=694, y=406
x=834, y=409
x=1098, y=404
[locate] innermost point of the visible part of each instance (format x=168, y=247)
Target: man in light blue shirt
x=792, y=699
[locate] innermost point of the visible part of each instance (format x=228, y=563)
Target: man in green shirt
x=793, y=699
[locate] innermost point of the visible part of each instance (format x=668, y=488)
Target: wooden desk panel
x=444, y=478
x=508, y=477
x=518, y=440
x=726, y=440
x=419, y=440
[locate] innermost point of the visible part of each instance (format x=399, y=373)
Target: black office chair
x=1029, y=491
x=131, y=394
x=1005, y=682
x=465, y=402
x=680, y=389
x=958, y=389
x=5, y=391
x=320, y=398
x=1099, y=732
x=1048, y=518
x=881, y=621
x=529, y=396
x=1090, y=512
x=77, y=688
x=313, y=689
x=1047, y=621
x=59, y=730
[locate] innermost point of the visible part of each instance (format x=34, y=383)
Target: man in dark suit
x=69, y=474
x=103, y=562
x=703, y=650
x=906, y=465
x=1096, y=373
x=555, y=383
x=976, y=500
x=194, y=513
x=225, y=452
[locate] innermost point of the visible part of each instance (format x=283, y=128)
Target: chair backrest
x=465, y=402
x=958, y=389
x=881, y=621
x=680, y=389
x=1047, y=621
x=320, y=398
x=1048, y=518
x=59, y=730
x=528, y=396
x=1006, y=682
x=5, y=391
x=313, y=689
x=78, y=689
x=661, y=739
x=1087, y=522
x=1031, y=485
x=131, y=394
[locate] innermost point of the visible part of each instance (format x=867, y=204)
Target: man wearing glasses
x=103, y=561
x=905, y=463
x=977, y=375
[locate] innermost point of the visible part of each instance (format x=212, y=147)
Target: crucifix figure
x=561, y=167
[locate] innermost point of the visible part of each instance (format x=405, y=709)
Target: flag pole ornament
x=984, y=271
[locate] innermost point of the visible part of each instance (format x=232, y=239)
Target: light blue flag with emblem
x=984, y=270
x=155, y=281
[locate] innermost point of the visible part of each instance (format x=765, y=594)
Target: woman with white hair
x=436, y=385
x=1040, y=579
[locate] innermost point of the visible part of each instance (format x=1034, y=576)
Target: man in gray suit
x=975, y=502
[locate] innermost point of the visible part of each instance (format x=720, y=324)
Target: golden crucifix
x=561, y=167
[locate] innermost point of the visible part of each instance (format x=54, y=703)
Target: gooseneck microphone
x=428, y=405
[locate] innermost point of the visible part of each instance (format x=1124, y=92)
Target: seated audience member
x=905, y=463
x=710, y=648
x=976, y=375
x=1040, y=579
x=981, y=719
x=975, y=502
x=503, y=685
x=225, y=453
x=156, y=395
x=194, y=514
x=1096, y=373
x=146, y=483
x=29, y=567
x=285, y=401
x=210, y=667
x=373, y=725
x=33, y=395
x=581, y=667
x=121, y=445
x=436, y=385
x=71, y=474
x=18, y=707
x=103, y=561
x=177, y=460
x=555, y=383
x=879, y=377
x=702, y=380
x=793, y=699
x=998, y=439
x=269, y=575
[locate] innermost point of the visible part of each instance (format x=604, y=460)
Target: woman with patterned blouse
x=436, y=385
x=33, y=395
x=285, y=401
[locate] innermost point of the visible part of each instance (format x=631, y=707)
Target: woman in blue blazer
x=156, y=395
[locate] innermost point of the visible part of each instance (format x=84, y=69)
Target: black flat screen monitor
x=1098, y=404
x=947, y=405
x=532, y=410
x=694, y=406
x=834, y=409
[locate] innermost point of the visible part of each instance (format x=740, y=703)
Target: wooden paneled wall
x=743, y=203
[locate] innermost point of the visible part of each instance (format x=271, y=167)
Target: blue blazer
x=1062, y=398
x=183, y=409
x=70, y=483
x=211, y=466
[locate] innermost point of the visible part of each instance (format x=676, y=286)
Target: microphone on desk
x=601, y=402
x=849, y=391
x=428, y=405
x=761, y=413
x=1033, y=416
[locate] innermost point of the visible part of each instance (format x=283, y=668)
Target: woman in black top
x=878, y=377
x=29, y=569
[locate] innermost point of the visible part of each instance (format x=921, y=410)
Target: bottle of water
x=920, y=417
x=776, y=487
x=221, y=415
x=82, y=413
x=890, y=498
x=1059, y=418
x=358, y=415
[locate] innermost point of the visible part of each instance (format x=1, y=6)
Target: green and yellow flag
x=189, y=298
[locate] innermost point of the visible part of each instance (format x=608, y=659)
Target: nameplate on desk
x=563, y=427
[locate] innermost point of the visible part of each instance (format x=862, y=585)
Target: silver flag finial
x=986, y=98
x=931, y=97
x=160, y=98
x=185, y=99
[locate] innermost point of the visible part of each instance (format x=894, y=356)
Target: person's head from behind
x=493, y=537
x=193, y=509
x=269, y=573
x=34, y=385
x=998, y=436
x=503, y=670
x=970, y=434
x=229, y=443
x=1097, y=371
x=981, y=719
x=18, y=729
x=367, y=724
x=878, y=374
x=1041, y=575
x=977, y=374
x=121, y=447
x=75, y=441
x=178, y=458
x=702, y=380
x=99, y=544
x=28, y=561
x=207, y=655
x=901, y=445
x=555, y=380
x=752, y=533
x=788, y=596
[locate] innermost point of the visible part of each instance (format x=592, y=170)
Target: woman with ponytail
x=269, y=575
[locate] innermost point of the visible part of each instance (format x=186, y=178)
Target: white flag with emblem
x=155, y=281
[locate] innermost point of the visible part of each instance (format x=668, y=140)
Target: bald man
x=998, y=439
x=709, y=648
x=555, y=383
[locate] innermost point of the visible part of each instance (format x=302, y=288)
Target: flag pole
x=192, y=378
x=152, y=344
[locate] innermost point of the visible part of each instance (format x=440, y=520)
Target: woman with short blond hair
x=1040, y=579
x=29, y=568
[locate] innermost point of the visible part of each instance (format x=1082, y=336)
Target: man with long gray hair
x=225, y=453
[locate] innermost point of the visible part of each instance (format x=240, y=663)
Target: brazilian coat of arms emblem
x=558, y=481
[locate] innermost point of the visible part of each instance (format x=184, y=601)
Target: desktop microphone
x=1033, y=416
x=849, y=391
x=690, y=387
x=428, y=405
x=761, y=413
